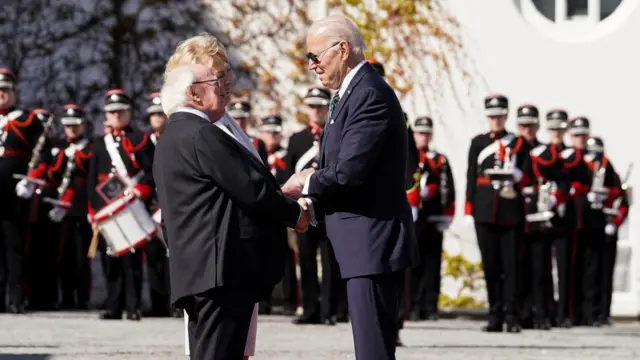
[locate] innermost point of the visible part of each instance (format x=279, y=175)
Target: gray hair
x=173, y=95
x=337, y=28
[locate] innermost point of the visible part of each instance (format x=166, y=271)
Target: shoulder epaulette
x=538, y=150
x=567, y=153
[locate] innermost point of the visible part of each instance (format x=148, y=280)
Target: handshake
x=293, y=189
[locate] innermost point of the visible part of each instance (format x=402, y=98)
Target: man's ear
x=192, y=94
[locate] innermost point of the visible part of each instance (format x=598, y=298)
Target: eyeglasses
x=216, y=80
x=316, y=58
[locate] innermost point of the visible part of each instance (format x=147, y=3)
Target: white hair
x=173, y=95
x=337, y=28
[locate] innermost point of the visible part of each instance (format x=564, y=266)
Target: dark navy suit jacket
x=360, y=186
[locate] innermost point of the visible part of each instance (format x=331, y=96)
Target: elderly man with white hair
x=359, y=187
x=224, y=213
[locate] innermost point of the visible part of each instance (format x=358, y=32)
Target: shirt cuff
x=312, y=212
x=305, y=189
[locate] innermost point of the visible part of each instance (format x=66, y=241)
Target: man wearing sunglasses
x=359, y=187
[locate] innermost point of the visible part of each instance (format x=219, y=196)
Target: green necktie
x=332, y=105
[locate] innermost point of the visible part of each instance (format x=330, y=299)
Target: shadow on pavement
x=521, y=347
x=25, y=356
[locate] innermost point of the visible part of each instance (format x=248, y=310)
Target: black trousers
x=158, y=276
x=124, y=281
x=564, y=243
x=609, y=253
x=318, y=298
x=590, y=247
x=13, y=236
x=499, y=251
x=219, y=322
x=539, y=244
x=426, y=277
x=373, y=307
x=75, y=269
x=43, y=254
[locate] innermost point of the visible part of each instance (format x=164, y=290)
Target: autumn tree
x=420, y=43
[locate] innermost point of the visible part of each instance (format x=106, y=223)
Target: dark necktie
x=332, y=106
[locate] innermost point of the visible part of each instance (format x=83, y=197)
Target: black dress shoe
x=493, y=327
x=527, y=323
x=177, y=313
x=329, y=320
x=414, y=316
x=565, y=324
x=110, y=315
x=542, y=324
x=134, y=315
x=342, y=318
x=16, y=309
x=398, y=340
x=433, y=317
x=513, y=327
x=307, y=320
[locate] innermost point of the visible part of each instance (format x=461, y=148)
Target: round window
x=576, y=20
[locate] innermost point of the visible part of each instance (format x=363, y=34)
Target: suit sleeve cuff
x=305, y=189
x=312, y=212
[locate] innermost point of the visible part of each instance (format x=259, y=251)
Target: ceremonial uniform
x=320, y=301
x=276, y=162
x=19, y=132
x=62, y=204
x=156, y=252
x=617, y=212
x=496, y=204
x=593, y=182
x=241, y=112
x=436, y=210
x=545, y=202
x=132, y=161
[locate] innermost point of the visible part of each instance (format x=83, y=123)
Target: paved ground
x=57, y=336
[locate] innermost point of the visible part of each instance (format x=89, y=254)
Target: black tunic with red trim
x=580, y=168
x=437, y=203
x=277, y=164
x=53, y=168
x=547, y=166
x=136, y=151
x=19, y=133
x=482, y=200
x=620, y=204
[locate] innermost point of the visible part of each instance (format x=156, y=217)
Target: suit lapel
x=365, y=69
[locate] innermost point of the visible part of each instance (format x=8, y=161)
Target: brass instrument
x=36, y=154
x=502, y=175
x=544, y=212
x=598, y=193
x=64, y=183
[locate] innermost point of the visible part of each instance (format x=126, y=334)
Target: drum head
x=114, y=207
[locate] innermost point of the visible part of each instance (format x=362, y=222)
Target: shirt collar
x=350, y=75
x=194, y=112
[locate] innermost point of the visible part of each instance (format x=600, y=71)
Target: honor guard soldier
x=155, y=250
x=19, y=133
x=121, y=164
x=563, y=221
x=64, y=169
x=303, y=153
x=593, y=184
x=437, y=207
x=271, y=132
x=617, y=211
x=499, y=166
x=545, y=202
x=240, y=111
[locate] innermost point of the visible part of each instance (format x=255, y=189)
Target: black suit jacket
x=222, y=209
x=360, y=186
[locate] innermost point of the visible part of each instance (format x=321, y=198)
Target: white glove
x=610, y=229
x=25, y=188
x=157, y=216
x=414, y=213
x=517, y=174
x=468, y=221
x=553, y=201
x=591, y=197
x=57, y=214
x=89, y=219
x=424, y=190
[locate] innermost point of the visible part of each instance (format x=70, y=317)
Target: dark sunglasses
x=316, y=58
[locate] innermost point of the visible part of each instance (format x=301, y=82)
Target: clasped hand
x=305, y=216
x=294, y=186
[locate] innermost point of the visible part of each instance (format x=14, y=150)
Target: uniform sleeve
x=472, y=173
x=291, y=158
x=450, y=208
x=524, y=163
x=92, y=182
x=561, y=177
x=144, y=158
x=612, y=182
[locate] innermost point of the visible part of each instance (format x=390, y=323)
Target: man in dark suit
x=360, y=184
x=224, y=213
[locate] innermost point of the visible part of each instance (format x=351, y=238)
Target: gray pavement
x=57, y=336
